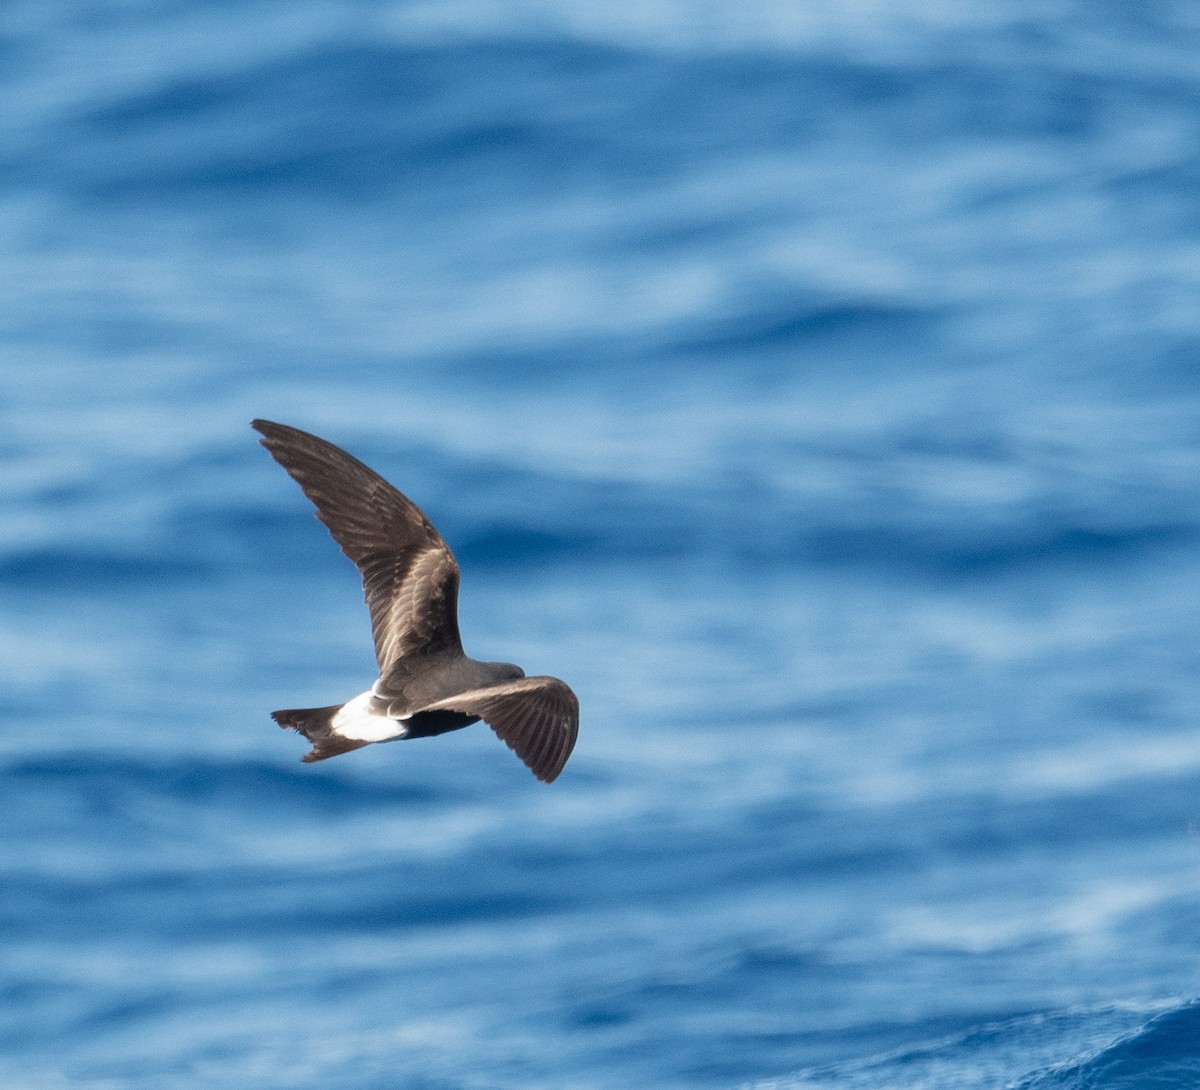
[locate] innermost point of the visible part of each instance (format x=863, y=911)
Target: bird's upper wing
x=410, y=577
x=537, y=717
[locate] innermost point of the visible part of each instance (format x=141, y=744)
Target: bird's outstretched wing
x=410, y=577
x=537, y=717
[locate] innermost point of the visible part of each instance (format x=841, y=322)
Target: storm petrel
x=427, y=685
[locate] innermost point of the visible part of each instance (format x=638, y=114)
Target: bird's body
x=427, y=685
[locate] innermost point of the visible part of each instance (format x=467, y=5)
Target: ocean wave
x=1160, y=1054
x=1110, y=1048
x=517, y=516
x=230, y=784
x=351, y=117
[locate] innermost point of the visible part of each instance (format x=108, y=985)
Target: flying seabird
x=427, y=685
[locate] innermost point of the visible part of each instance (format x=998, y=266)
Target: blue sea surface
x=815, y=388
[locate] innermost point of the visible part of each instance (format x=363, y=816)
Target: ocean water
x=815, y=388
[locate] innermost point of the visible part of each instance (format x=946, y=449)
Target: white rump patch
x=358, y=721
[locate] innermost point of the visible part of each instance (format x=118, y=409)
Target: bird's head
x=505, y=671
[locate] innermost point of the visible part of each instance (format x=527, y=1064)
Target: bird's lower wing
x=536, y=717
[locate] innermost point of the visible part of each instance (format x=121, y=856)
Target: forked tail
x=316, y=724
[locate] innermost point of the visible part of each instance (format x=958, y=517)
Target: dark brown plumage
x=427, y=685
